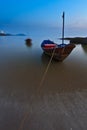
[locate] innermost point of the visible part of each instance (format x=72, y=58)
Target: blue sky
x=43, y=13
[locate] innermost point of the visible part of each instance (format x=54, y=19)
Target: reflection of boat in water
x=84, y=47
x=57, y=52
x=44, y=58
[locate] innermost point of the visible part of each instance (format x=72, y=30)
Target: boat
x=28, y=42
x=57, y=51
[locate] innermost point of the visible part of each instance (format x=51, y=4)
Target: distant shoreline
x=76, y=40
x=7, y=34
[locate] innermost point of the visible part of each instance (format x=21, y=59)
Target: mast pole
x=63, y=16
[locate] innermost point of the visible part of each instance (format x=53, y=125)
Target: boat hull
x=58, y=52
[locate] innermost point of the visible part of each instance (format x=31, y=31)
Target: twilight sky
x=43, y=13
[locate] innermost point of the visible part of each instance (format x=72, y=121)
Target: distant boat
x=57, y=51
x=28, y=42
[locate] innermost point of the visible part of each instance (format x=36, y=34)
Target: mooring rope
x=44, y=75
x=23, y=121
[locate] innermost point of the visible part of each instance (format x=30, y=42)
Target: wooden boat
x=29, y=42
x=57, y=51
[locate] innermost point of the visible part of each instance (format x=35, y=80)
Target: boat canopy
x=46, y=42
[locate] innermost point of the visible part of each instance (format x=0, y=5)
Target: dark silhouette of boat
x=29, y=42
x=57, y=51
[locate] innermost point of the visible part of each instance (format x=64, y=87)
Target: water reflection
x=84, y=47
x=21, y=67
x=46, y=59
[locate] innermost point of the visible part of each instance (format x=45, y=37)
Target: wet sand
x=60, y=103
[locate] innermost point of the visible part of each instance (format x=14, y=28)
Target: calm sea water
x=22, y=68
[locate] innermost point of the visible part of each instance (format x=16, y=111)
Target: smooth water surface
x=27, y=102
